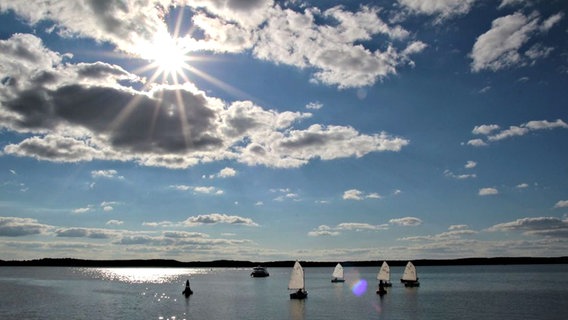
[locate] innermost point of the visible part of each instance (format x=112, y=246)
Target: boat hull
x=410, y=284
x=299, y=295
x=337, y=280
x=259, y=274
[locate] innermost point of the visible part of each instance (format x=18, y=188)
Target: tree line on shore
x=71, y=262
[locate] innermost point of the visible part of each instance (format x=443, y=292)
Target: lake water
x=455, y=292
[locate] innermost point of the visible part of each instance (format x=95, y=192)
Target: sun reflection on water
x=143, y=275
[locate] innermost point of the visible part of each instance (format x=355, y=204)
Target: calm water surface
x=457, y=292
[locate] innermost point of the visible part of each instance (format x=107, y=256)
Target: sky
x=274, y=130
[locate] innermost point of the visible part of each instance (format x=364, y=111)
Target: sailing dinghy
x=384, y=275
x=297, y=282
x=337, y=275
x=409, y=277
x=384, y=279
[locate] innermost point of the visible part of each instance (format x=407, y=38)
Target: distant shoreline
x=164, y=263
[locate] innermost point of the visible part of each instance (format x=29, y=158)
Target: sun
x=168, y=58
x=168, y=55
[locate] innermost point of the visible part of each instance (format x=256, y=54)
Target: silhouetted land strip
x=69, y=262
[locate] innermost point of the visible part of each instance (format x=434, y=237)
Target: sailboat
x=409, y=277
x=297, y=282
x=384, y=274
x=337, y=275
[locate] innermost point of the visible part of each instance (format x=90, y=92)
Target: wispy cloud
x=224, y=173
x=198, y=189
x=450, y=174
x=406, y=221
x=83, y=209
x=314, y=105
x=543, y=226
x=108, y=174
x=490, y=130
x=206, y=219
x=354, y=194
x=470, y=164
x=114, y=222
x=454, y=232
x=488, y=191
x=325, y=230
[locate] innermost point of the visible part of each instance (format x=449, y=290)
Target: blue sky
x=269, y=130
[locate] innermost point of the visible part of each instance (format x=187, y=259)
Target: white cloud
x=180, y=187
x=488, y=191
x=325, y=230
x=198, y=189
x=357, y=226
x=500, y=47
x=551, y=21
x=227, y=172
x=542, y=226
x=470, y=164
x=114, y=222
x=92, y=233
x=67, y=131
x=17, y=227
x=477, y=143
x=561, y=204
x=83, y=210
x=310, y=38
x=215, y=218
x=450, y=174
x=109, y=174
x=522, y=186
x=485, y=129
x=298, y=39
x=505, y=3
x=443, y=8
x=314, y=105
x=224, y=173
x=406, y=221
x=513, y=131
x=354, y=194
x=207, y=190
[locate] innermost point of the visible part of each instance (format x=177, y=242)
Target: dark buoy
x=187, y=291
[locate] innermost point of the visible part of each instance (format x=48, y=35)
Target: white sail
x=409, y=272
x=337, y=272
x=296, y=277
x=384, y=272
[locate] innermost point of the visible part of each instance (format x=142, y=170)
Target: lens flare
x=359, y=288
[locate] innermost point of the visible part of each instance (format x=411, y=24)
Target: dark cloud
x=17, y=227
x=81, y=112
x=85, y=233
x=54, y=148
x=542, y=226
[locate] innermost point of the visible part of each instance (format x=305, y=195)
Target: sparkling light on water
x=143, y=275
x=359, y=287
